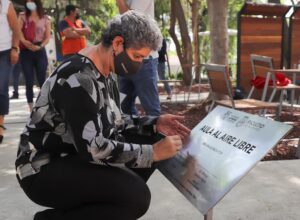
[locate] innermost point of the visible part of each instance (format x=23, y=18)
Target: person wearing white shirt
x=9, y=54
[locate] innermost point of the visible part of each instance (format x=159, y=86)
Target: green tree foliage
x=234, y=6
x=162, y=16
x=98, y=17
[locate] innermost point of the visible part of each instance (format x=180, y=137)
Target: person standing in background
x=144, y=83
x=9, y=54
x=161, y=68
x=36, y=29
x=73, y=32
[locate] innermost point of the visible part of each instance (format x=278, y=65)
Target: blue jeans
x=33, y=62
x=161, y=68
x=5, y=70
x=144, y=85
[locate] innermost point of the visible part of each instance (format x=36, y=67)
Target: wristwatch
x=16, y=49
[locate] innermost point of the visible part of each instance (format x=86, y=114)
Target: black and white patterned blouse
x=78, y=112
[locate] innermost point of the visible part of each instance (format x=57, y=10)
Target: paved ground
x=271, y=191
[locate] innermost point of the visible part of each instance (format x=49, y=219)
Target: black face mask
x=77, y=16
x=124, y=66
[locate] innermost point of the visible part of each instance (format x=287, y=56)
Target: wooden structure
x=294, y=39
x=260, y=31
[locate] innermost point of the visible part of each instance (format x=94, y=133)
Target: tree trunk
x=195, y=27
x=217, y=15
x=183, y=48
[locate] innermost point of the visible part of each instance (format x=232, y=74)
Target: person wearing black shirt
x=79, y=154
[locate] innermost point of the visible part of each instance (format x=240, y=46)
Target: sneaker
x=169, y=97
x=14, y=96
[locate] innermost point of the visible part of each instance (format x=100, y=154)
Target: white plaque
x=222, y=149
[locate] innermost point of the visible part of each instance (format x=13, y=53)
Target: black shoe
x=14, y=96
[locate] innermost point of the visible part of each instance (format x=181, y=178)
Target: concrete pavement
x=271, y=191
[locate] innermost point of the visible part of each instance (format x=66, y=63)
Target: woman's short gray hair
x=138, y=31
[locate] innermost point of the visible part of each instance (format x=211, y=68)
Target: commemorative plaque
x=221, y=150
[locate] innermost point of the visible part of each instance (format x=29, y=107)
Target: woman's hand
x=169, y=125
x=166, y=148
x=27, y=44
x=31, y=46
x=35, y=48
x=14, y=56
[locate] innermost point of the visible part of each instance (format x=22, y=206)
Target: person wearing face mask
x=73, y=32
x=36, y=29
x=79, y=154
x=144, y=83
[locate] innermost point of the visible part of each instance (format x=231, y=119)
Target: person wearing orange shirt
x=73, y=32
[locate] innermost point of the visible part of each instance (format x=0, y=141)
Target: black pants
x=33, y=62
x=78, y=190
